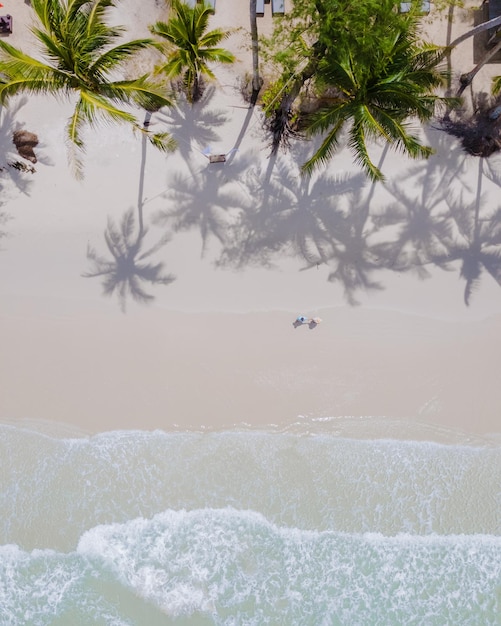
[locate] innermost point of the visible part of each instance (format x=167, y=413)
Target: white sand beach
x=216, y=347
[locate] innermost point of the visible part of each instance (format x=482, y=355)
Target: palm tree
x=376, y=91
x=79, y=57
x=190, y=46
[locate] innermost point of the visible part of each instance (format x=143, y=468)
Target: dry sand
x=216, y=347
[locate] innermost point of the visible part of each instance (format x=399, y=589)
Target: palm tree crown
x=190, y=46
x=79, y=56
x=376, y=91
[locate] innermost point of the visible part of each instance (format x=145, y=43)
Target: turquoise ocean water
x=247, y=528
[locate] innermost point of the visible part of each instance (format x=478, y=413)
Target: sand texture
x=244, y=246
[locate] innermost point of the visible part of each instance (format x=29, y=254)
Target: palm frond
x=173, y=68
x=358, y=144
x=496, y=85
x=15, y=63
x=326, y=150
x=162, y=141
x=190, y=46
x=94, y=106
x=76, y=145
x=149, y=96
x=118, y=54
x=216, y=55
x=212, y=38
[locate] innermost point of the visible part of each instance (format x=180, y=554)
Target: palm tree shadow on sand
x=124, y=271
x=320, y=220
x=474, y=240
x=207, y=200
x=290, y=215
x=435, y=230
x=193, y=125
x=4, y=218
x=126, y=268
x=335, y=221
x=413, y=226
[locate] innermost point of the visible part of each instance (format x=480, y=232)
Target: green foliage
x=190, y=47
x=382, y=87
x=496, y=85
x=80, y=54
x=272, y=94
x=367, y=57
x=162, y=141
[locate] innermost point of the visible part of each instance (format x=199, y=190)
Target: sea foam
x=227, y=567
x=317, y=482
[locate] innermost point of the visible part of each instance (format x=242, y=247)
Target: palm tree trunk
x=280, y=125
x=257, y=81
x=195, y=94
x=142, y=170
x=496, y=21
x=466, y=79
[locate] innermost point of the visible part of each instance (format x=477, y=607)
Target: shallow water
x=306, y=526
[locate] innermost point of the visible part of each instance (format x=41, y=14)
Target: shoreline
x=342, y=427
x=163, y=370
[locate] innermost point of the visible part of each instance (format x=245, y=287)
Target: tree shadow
x=474, y=240
x=334, y=221
x=324, y=219
x=4, y=218
x=257, y=214
x=192, y=125
x=290, y=214
x=125, y=269
x=356, y=258
x=413, y=227
x=435, y=230
x=207, y=200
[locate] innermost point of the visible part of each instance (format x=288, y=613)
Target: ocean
x=249, y=527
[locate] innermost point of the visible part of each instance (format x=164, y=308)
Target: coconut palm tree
x=377, y=90
x=82, y=55
x=190, y=47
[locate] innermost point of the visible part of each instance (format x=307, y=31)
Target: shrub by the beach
x=190, y=47
x=82, y=55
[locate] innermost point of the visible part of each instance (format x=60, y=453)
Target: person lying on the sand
x=300, y=320
x=314, y=321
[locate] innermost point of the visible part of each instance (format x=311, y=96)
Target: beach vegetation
x=81, y=54
x=378, y=95
x=365, y=72
x=478, y=127
x=190, y=47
